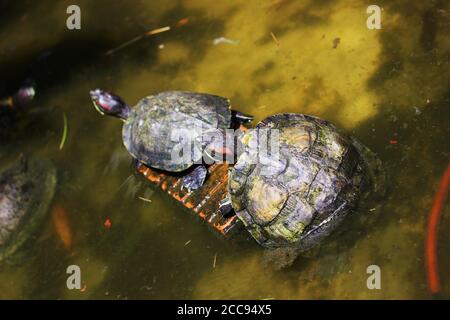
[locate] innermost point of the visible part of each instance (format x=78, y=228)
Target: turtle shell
x=167, y=131
x=25, y=196
x=297, y=191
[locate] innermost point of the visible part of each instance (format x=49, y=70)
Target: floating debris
x=220, y=40
x=417, y=111
x=275, y=39
x=156, y=31
x=62, y=226
x=215, y=260
x=187, y=242
x=64, y=134
x=108, y=223
x=182, y=22
x=161, y=46
x=135, y=39
x=145, y=199
x=336, y=42
x=392, y=118
x=147, y=288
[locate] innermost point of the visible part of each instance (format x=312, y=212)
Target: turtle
x=22, y=97
x=296, y=180
x=12, y=111
x=27, y=188
x=173, y=130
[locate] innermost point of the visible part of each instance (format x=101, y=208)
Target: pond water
x=390, y=88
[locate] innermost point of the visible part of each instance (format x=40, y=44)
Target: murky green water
x=380, y=85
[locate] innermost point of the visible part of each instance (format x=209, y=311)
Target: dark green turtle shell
x=155, y=125
x=25, y=196
x=300, y=197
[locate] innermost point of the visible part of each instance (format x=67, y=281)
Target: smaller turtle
x=26, y=191
x=173, y=130
x=296, y=194
x=23, y=96
x=12, y=109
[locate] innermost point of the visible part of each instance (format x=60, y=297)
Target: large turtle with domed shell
x=296, y=194
x=162, y=126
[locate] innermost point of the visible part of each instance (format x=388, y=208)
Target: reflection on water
x=390, y=88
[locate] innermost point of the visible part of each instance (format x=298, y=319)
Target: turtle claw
x=194, y=179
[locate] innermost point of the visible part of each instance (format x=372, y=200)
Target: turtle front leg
x=195, y=179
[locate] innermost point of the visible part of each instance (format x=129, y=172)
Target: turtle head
x=110, y=104
x=219, y=145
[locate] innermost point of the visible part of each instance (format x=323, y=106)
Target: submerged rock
x=26, y=191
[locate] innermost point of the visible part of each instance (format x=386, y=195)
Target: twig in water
x=215, y=260
x=159, y=30
x=144, y=199
x=135, y=39
x=275, y=39
x=64, y=134
x=219, y=40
